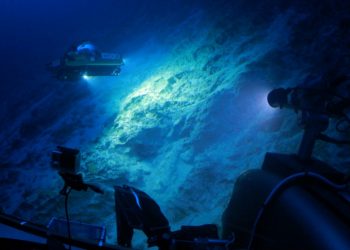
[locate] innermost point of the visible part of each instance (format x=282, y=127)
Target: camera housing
x=66, y=160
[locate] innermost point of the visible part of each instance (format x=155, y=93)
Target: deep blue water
x=188, y=109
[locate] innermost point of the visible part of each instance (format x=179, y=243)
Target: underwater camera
x=66, y=159
x=67, y=162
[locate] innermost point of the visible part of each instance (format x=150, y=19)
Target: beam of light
x=86, y=77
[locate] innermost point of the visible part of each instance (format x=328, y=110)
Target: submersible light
x=86, y=77
x=278, y=98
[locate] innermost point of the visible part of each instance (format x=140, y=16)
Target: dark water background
x=186, y=116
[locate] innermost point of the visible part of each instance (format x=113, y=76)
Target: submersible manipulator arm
x=317, y=106
x=293, y=201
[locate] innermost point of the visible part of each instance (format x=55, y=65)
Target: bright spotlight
x=86, y=77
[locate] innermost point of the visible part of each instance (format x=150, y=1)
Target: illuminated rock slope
x=187, y=115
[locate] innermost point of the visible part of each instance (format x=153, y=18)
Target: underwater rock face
x=183, y=120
